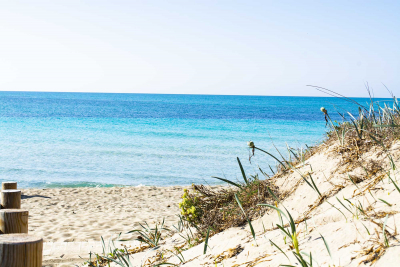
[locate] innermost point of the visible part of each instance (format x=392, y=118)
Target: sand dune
x=354, y=240
x=85, y=214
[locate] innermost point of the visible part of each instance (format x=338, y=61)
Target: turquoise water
x=82, y=139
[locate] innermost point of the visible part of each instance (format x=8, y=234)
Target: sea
x=52, y=140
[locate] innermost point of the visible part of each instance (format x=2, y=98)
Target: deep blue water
x=86, y=139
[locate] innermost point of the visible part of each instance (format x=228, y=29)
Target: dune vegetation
x=334, y=204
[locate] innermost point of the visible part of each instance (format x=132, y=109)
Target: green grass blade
x=327, y=247
x=273, y=195
x=398, y=189
x=263, y=173
x=315, y=186
x=114, y=260
x=132, y=231
x=123, y=261
x=103, y=245
x=275, y=208
x=305, y=180
x=385, y=202
x=338, y=210
x=242, y=171
x=227, y=181
x=305, y=254
x=284, y=167
x=285, y=231
x=348, y=201
x=206, y=242
x=279, y=249
x=146, y=239
x=253, y=233
x=300, y=259
x=384, y=232
x=294, y=154
x=356, y=128
x=352, y=180
x=360, y=208
x=292, y=224
x=366, y=229
x=344, y=206
x=156, y=236
x=250, y=225
x=240, y=205
x=271, y=169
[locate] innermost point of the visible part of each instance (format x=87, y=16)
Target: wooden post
x=11, y=199
x=13, y=221
x=8, y=185
x=21, y=250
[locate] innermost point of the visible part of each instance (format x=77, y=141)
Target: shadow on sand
x=26, y=197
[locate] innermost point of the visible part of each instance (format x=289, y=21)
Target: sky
x=200, y=47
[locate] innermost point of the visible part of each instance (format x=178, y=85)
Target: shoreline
x=100, y=185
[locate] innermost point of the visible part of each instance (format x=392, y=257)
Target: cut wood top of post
x=13, y=211
x=8, y=185
x=19, y=239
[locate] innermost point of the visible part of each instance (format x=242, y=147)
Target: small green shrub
x=190, y=207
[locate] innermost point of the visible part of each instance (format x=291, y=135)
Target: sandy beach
x=86, y=214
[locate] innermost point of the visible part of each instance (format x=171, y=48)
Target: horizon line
x=66, y=92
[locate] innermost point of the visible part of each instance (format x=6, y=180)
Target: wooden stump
x=8, y=185
x=11, y=199
x=21, y=250
x=13, y=221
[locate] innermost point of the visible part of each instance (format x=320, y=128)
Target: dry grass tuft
x=374, y=126
x=373, y=254
x=219, y=210
x=232, y=252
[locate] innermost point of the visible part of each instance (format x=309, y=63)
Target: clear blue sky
x=200, y=47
